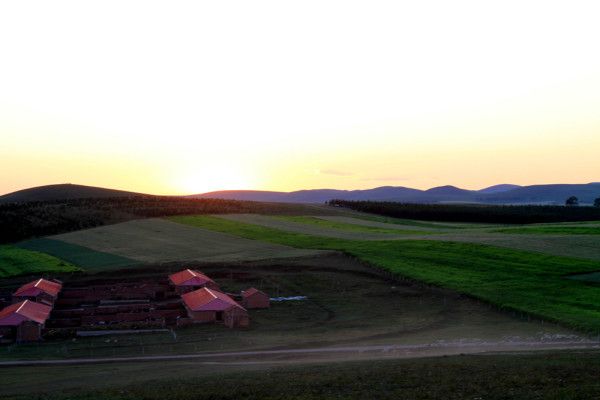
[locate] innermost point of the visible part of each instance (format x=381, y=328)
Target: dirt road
x=332, y=353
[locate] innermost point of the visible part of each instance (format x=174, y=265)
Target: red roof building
x=41, y=290
x=189, y=279
x=208, y=305
x=24, y=320
x=254, y=298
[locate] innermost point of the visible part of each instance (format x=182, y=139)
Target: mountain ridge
x=497, y=194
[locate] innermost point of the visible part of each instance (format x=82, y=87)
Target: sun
x=214, y=178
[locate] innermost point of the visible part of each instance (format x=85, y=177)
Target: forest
x=503, y=214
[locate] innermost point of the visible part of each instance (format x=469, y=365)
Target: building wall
x=29, y=332
x=257, y=300
x=202, y=316
x=236, y=318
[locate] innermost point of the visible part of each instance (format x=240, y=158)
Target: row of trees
x=521, y=214
x=19, y=221
x=574, y=201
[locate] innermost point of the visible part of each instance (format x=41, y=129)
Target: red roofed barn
x=24, y=321
x=254, y=298
x=41, y=291
x=189, y=280
x=207, y=305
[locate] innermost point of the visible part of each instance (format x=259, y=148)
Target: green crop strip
x=350, y=227
x=512, y=279
x=16, y=261
x=553, y=230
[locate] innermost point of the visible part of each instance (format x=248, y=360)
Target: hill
x=548, y=194
x=499, y=194
x=503, y=187
x=65, y=191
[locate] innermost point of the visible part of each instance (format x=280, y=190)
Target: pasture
x=512, y=279
x=353, y=228
x=160, y=241
x=15, y=261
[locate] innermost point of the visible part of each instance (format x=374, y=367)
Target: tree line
x=504, y=214
x=19, y=221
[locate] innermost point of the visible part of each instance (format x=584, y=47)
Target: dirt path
x=332, y=353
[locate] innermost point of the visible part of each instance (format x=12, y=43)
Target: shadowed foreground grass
x=512, y=279
x=559, y=375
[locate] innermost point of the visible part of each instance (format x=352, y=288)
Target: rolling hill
x=64, y=191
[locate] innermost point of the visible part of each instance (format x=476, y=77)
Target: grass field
x=557, y=375
x=525, y=281
x=307, y=226
x=159, y=241
x=352, y=225
x=576, y=246
x=553, y=230
x=84, y=257
x=15, y=261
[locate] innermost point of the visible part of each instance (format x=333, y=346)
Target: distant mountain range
x=497, y=194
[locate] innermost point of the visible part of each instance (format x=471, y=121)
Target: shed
x=41, y=291
x=189, y=280
x=254, y=298
x=24, y=321
x=208, y=305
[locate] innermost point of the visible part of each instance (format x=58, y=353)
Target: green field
x=81, y=256
x=512, y=279
x=558, y=375
x=553, y=230
x=325, y=223
x=15, y=261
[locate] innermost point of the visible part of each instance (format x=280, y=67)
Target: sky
x=180, y=97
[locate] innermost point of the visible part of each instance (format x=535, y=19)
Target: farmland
x=376, y=287
x=17, y=261
x=348, y=304
x=511, y=279
x=165, y=241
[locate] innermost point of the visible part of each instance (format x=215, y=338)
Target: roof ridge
x=38, y=282
x=21, y=306
x=211, y=293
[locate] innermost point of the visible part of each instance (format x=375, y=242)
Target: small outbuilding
x=208, y=305
x=39, y=291
x=24, y=321
x=188, y=280
x=254, y=298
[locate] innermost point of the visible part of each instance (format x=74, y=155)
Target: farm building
x=254, y=298
x=40, y=291
x=24, y=321
x=188, y=280
x=208, y=305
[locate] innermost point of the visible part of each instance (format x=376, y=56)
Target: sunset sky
x=186, y=97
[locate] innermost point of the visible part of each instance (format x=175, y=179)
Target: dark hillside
x=19, y=221
x=64, y=191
